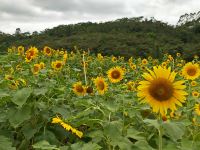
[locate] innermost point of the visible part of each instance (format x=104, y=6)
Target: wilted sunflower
x=160, y=90
x=197, y=109
x=115, y=74
x=79, y=89
x=101, y=85
x=47, y=51
x=57, y=65
x=191, y=71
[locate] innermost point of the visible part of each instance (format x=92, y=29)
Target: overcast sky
x=37, y=15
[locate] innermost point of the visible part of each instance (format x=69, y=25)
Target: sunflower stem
x=84, y=69
x=160, y=143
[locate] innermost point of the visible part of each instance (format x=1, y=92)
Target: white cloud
x=31, y=15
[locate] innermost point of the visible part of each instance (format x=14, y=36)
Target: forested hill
x=126, y=36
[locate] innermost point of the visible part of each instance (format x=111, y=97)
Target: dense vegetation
x=126, y=36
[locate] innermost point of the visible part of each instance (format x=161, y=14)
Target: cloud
x=31, y=15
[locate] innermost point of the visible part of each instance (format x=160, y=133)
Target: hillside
x=126, y=36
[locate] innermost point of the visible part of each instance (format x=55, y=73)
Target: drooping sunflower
x=161, y=91
x=115, y=74
x=79, y=89
x=47, y=51
x=57, y=65
x=191, y=71
x=101, y=85
x=197, y=109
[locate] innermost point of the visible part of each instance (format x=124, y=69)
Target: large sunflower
x=115, y=74
x=79, y=89
x=160, y=90
x=191, y=71
x=101, y=85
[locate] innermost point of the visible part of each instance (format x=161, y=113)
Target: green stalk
x=160, y=133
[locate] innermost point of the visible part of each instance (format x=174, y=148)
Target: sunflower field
x=60, y=100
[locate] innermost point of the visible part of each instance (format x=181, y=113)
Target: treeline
x=126, y=36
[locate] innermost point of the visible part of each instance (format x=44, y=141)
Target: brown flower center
x=48, y=51
x=101, y=85
x=115, y=74
x=191, y=71
x=161, y=89
x=58, y=65
x=89, y=90
x=36, y=68
x=79, y=89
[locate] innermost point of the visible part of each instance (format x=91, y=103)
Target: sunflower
x=89, y=90
x=79, y=89
x=114, y=59
x=36, y=69
x=47, y=51
x=130, y=85
x=160, y=90
x=115, y=74
x=8, y=77
x=14, y=85
x=178, y=54
x=195, y=94
x=57, y=65
x=197, y=109
x=132, y=66
x=193, y=83
x=191, y=71
x=144, y=61
x=101, y=85
x=164, y=64
x=65, y=57
x=31, y=54
x=42, y=65
x=20, y=50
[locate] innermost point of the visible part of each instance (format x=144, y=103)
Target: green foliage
x=125, y=37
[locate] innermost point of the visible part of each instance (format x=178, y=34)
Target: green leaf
x=132, y=133
x=5, y=143
x=174, y=130
x=18, y=116
x=151, y=122
x=21, y=96
x=44, y=145
x=91, y=146
x=40, y=91
x=142, y=145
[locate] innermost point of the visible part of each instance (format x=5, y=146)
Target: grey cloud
x=83, y=6
x=39, y=14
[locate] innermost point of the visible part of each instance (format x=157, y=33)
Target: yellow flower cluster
x=67, y=127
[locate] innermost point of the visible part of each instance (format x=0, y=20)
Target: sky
x=37, y=15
